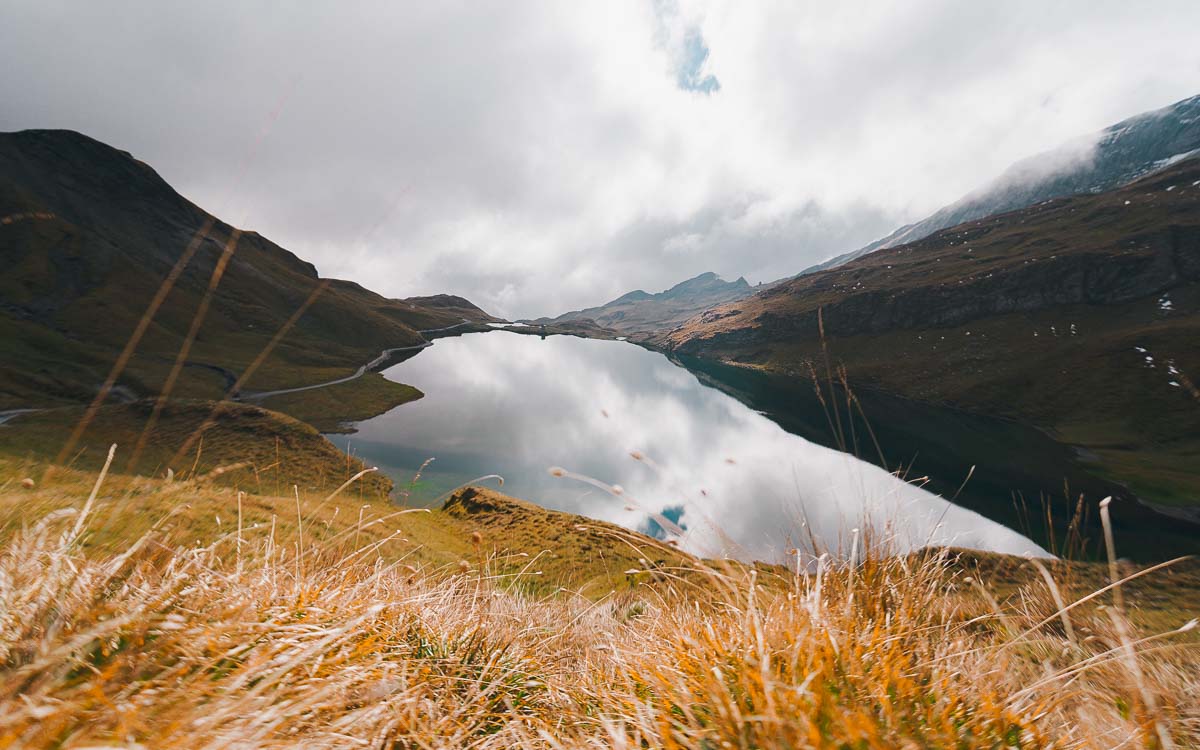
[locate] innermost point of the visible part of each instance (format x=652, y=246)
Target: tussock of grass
x=261, y=639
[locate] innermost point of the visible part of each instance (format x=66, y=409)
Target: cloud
x=542, y=156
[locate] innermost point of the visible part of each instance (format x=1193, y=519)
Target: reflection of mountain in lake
x=1015, y=471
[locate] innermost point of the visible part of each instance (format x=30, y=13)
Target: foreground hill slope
x=1079, y=315
x=331, y=493
x=186, y=616
x=641, y=312
x=1114, y=157
x=88, y=234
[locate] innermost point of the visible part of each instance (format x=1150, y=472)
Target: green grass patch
x=329, y=409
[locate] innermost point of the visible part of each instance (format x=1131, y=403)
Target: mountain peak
x=641, y=312
x=1115, y=156
x=706, y=280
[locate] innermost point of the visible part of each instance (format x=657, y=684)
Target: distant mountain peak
x=636, y=294
x=1113, y=157
x=641, y=312
x=706, y=280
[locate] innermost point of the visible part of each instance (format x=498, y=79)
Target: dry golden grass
x=322, y=637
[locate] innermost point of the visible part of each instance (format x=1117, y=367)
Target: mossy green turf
x=332, y=408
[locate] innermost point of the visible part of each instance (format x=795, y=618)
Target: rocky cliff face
x=1107, y=249
x=1164, y=260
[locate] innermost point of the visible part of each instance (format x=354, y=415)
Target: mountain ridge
x=88, y=233
x=640, y=312
x=1115, y=156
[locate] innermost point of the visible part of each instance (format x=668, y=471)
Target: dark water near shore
x=1019, y=476
x=738, y=482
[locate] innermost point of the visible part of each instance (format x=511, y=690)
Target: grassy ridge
x=476, y=525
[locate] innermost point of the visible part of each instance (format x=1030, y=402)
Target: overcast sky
x=543, y=156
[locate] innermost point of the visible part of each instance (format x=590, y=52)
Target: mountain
x=87, y=235
x=1079, y=315
x=1113, y=157
x=642, y=312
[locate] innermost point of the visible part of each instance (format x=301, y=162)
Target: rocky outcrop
x=1168, y=259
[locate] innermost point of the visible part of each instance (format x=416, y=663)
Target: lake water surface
x=739, y=484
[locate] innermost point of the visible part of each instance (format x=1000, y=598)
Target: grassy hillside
x=329, y=621
x=330, y=409
x=1079, y=316
x=89, y=235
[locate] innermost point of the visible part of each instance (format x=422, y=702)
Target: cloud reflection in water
x=517, y=405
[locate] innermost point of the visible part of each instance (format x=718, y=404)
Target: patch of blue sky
x=691, y=76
